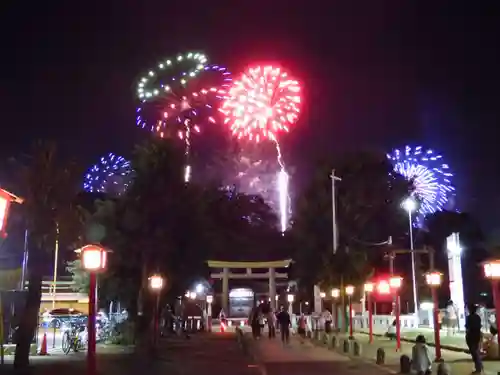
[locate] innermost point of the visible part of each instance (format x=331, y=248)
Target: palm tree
x=49, y=186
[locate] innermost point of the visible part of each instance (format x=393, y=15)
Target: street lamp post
x=492, y=272
x=322, y=295
x=368, y=290
x=335, y=296
x=94, y=261
x=210, y=300
x=410, y=205
x=156, y=285
x=433, y=279
x=349, y=290
x=395, y=283
x=6, y=199
x=290, y=298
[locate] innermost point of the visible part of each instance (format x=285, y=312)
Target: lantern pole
x=91, y=351
x=368, y=290
x=433, y=279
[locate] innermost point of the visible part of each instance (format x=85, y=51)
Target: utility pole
x=334, y=213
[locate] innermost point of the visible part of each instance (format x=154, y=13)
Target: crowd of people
x=281, y=321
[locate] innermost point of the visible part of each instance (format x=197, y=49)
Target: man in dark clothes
x=473, y=337
x=284, y=321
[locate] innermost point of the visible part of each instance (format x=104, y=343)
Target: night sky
x=376, y=74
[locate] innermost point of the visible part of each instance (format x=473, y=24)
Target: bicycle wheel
x=66, y=343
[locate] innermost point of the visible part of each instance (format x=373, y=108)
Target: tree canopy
x=368, y=199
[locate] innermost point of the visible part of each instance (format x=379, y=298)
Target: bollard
x=404, y=364
x=316, y=335
x=335, y=343
x=443, y=369
x=380, y=356
x=356, y=349
x=54, y=336
x=346, y=346
x=325, y=339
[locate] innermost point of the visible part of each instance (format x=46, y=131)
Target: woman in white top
x=421, y=361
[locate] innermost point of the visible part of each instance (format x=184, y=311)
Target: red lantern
x=93, y=258
x=6, y=199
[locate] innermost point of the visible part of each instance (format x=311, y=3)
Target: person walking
x=284, y=321
x=473, y=337
x=271, y=324
x=452, y=318
x=302, y=328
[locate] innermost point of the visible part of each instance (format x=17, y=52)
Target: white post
x=56, y=256
x=272, y=288
x=413, y=271
x=225, y=290
x=334, y=213
x=456, y=279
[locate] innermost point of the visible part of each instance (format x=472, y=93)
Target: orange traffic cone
x=43, y=347
x=222, y=327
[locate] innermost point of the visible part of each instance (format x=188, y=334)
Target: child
x=391, y=331
x=420, y=358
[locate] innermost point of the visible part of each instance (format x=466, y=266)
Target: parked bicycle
x=75, y=338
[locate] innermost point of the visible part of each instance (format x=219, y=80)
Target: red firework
x=262, y=103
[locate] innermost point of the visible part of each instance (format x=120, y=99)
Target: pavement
x=305, y=358
x=459, y=362
x=448, y=339
x=54, y=339
x=216, y=353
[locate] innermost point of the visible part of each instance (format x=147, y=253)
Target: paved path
x=201, y=354
x=447, y=338
x=459, y=362
x=306, y=359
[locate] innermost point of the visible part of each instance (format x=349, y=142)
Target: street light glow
x=349, y=290
x=335, y=293
x=156, y=282
x=395, y=282
x=492, y=269
x=369, y=287
x=199, y=288
x=433, y=278
x=409, y=204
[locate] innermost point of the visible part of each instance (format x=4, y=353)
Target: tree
x=79, y=276
x=368, y=211
x=164, y=225
x=48, y=184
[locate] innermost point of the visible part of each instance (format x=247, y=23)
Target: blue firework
x=111, y=175
x=430, y=176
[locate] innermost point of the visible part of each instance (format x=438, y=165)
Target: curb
x=446, y=347
x=351, y=356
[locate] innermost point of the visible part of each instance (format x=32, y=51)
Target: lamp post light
x=369, y=287
x=210, y=300
x=94, y=259
x=410, y=205
x=395, y=283
x=335, y=296
x=290, y=298
x=349, y=290
x=156, y=285
x=492, y=272
x=433, y=279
